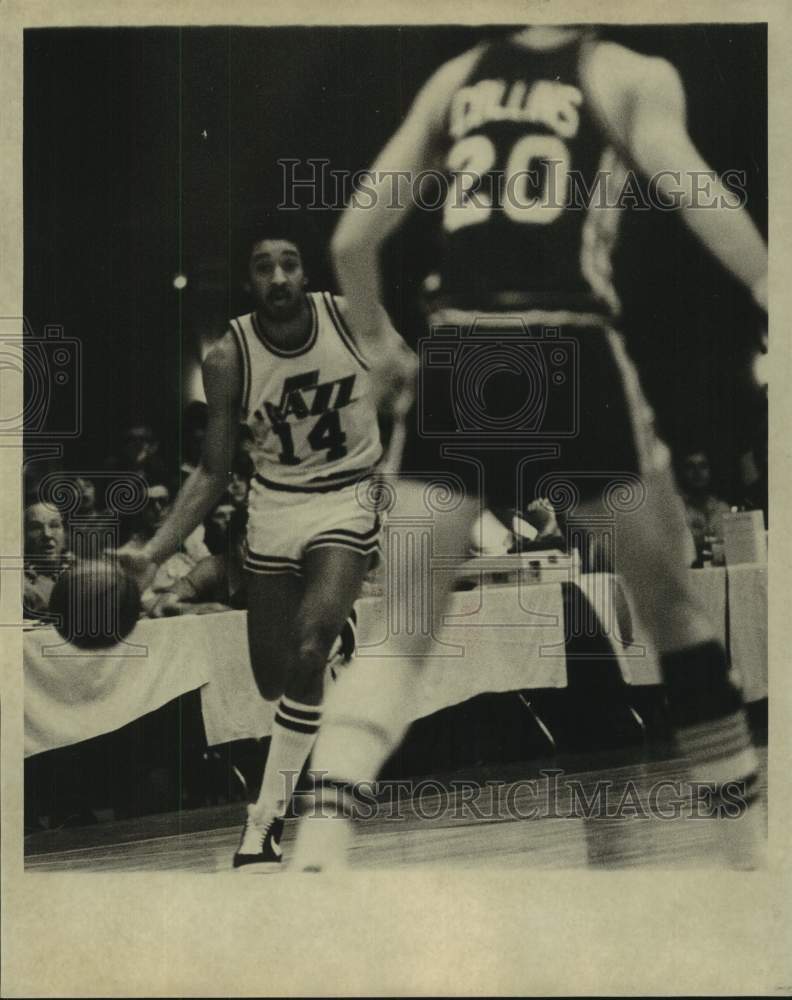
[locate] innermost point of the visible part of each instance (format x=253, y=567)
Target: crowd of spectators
x=205, y=575
x=705, y=508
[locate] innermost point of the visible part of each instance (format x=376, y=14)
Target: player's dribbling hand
x=136, y=562
x=167, y=605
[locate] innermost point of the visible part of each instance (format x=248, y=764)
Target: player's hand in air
x=393, y=366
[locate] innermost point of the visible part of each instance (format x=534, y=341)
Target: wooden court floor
x=447, y=826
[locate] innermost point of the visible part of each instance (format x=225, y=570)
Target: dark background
x=145, y=150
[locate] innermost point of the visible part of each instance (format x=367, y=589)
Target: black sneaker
x=259, y=847
x=343, y=648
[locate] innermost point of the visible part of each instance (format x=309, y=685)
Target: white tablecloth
x=496, y=638
x=72, y=696
x=485, y=647
x=747, y=614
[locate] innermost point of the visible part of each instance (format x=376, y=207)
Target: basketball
x=97, y=604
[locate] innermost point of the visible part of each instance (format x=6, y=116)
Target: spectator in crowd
x=217, y=524
x=755, y=490
x=754, y=468
x=143, y=525
x=36, y=469
x=86, y=509
x=140, y=452
x=217, y=582
x=86, y=512
x=537, y=528
x=532, y=530
x=46, y=555
x=241, y=474
x=193, y=433
x=704, y=510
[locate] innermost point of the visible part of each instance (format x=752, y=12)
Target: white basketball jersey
x=309, y=408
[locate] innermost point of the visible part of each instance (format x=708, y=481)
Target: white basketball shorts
x=283, y=526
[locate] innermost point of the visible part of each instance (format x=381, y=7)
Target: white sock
x=721, y=755
x=368, y=712
x=366, y=715
x=293, y=735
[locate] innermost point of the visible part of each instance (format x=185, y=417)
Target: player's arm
x=203, y=581
x=396, y=392
x=387, y=331
x=644, y=105
x=222, y=378
x=374, y=212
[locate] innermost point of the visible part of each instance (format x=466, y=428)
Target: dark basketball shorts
x=512, y=408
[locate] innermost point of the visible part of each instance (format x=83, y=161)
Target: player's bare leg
x=308, y=615
x=333, y=579
x=369, y=709
x=273, y=603
x=706, y=709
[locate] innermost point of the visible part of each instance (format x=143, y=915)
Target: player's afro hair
x=294, y=227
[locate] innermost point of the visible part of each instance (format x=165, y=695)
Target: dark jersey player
x=524, y=384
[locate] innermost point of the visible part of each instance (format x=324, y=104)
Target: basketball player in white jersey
x=536, y=106
x=292, y=372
